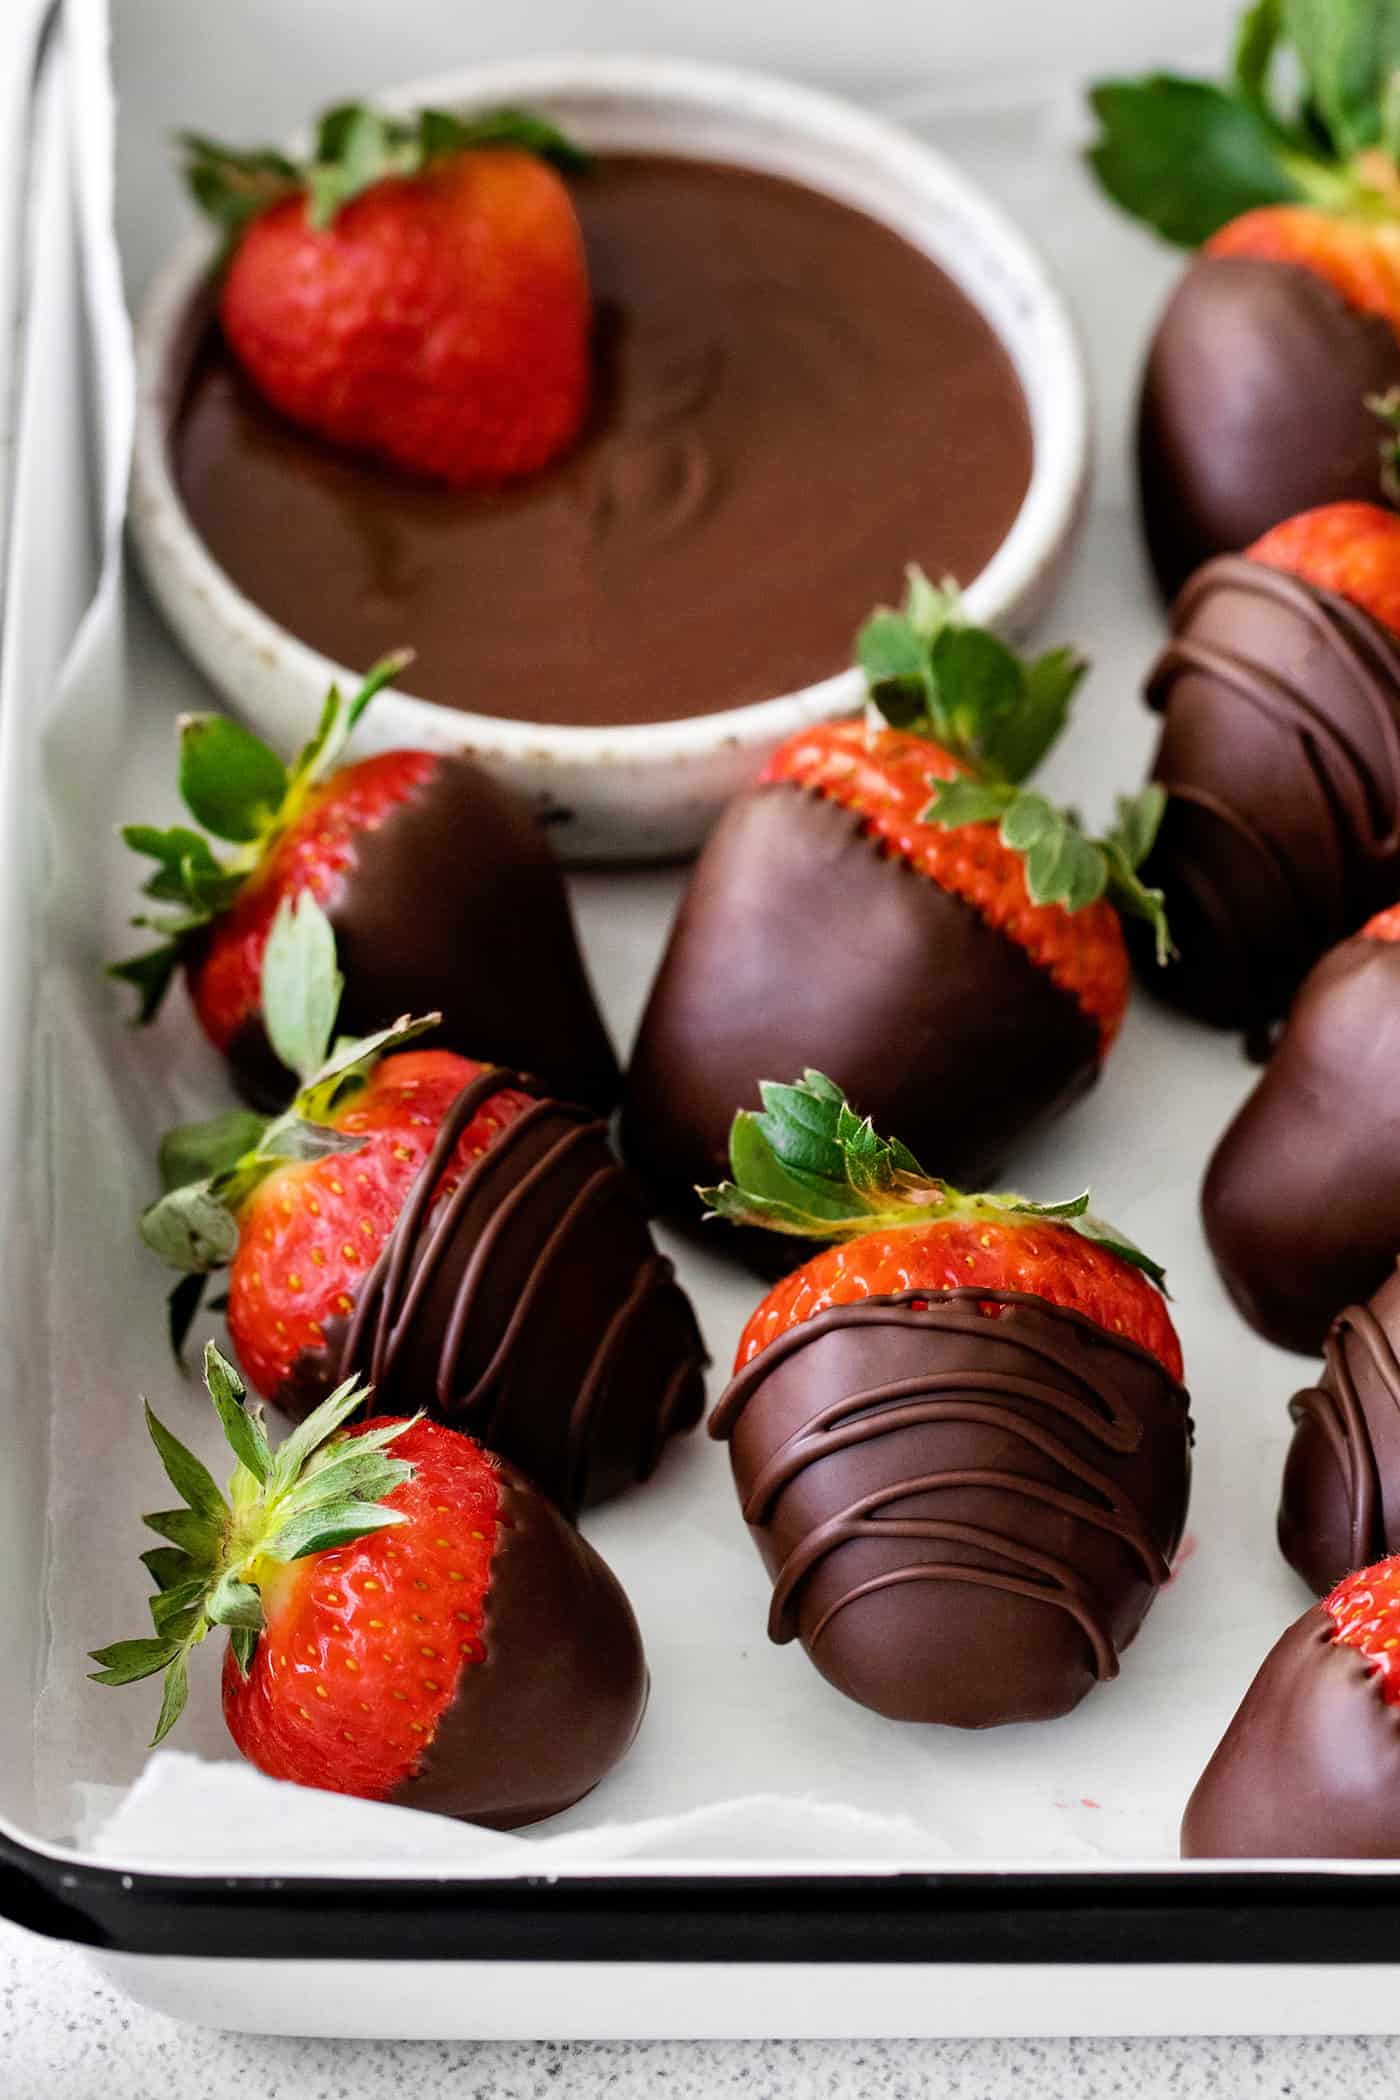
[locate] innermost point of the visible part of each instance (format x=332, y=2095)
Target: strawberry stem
x=321, y=1488
x=809, y=1166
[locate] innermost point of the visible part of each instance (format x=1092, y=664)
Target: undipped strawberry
x=441, y=889
x=416, y=291
x=409, y=1621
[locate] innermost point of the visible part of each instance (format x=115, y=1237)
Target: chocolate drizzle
x=1340, y=1507
x=897, y=1448
x=1281, y=757
x=528, y=1306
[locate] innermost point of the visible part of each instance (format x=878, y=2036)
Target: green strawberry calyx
x=237, y=788
x=930, y=674
x=210, y=1169
x=1308, y=114
x=355, y=146
x=806, y=1164
x=322, y=1487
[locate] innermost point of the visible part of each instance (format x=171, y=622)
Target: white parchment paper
x=746, y=1754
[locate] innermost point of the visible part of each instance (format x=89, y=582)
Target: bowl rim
x=1061, y=455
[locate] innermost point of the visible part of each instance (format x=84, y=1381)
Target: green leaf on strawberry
x=209, y=1170
x=932, y=674
x=321, y=1488
x=236, y=787
x=355, y=147
x=1310, y=113
x=807, y=1165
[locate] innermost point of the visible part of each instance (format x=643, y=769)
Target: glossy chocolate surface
x=1310, y=1766
x=966, y=1517
x=799, y=943
x=1253, y=408
x=1340, y=1507
x=454, y=904
x=528, y=1306
x=790, y=404
x=1280, y=750
x=559, y=1696
x=1301, y=1200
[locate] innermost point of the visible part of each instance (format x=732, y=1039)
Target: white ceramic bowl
x=652, y=790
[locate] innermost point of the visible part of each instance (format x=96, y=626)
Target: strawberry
x=807, y=1165
x=400, y=1217
x=412, y=854
x=1350, y=548
x=891, y=901
x=1285, y=181
x=959, y=1436
x=416, y=292
x=1308, y=1766
x=408, y=1620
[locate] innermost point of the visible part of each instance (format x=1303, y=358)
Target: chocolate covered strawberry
x=416, y=290
x=409, y=1620
x=1285, y=179
x=1301, y=1201
x=1280, y=754
x=440, y=887
x=959, y=1435
x=1310, y=1766
x=437, y=1225
x=891, y=902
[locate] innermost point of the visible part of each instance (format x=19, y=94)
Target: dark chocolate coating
x=1253, y=408
x=966, y=1517
x=1340, y=1507
x=1301, y=1200
x=528, y=1307
x=1280, y=751
x=1310, y=1766
x=455, y=904
x=801, y=942
x=559, y=1696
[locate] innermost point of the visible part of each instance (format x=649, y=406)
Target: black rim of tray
x=1304, y=1916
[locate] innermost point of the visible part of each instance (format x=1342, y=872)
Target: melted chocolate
x=454, y=904
x=966, y=1516
x=1280, y=752
x=527, y=1306
x=559, y=1696
x=1301, y=1200
x=1254, y=407
x=790, y=403
x=801, y=942
x=1340, y=1508
x=1310, y=1766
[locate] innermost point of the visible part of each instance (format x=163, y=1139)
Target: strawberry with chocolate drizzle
x=442, y=891
x=892, y=902
x=438, y=1225
x=409, y=1620
x=959, y=1433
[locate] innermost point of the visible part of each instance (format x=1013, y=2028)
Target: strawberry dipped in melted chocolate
x=959, y=1434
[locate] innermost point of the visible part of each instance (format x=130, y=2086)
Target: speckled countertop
x=65, y=2035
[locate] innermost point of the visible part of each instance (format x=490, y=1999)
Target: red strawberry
x=1254, y=395
x=808, y=1165
x=413, y=856
x=418, y=292
x=959, y=1437
x=1310, y=1765
x=402, y=1218
x=409, y=1621
x=888, y=901
x=1350, y=548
